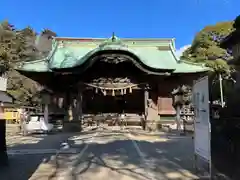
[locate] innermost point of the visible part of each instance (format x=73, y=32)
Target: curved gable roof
x=154, y=57
x=149, y=57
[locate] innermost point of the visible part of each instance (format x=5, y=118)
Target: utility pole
x=221, y=89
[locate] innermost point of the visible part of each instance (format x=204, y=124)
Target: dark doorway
x=132, y=103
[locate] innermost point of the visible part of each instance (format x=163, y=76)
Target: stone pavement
x=105, y=155
x=122, y=156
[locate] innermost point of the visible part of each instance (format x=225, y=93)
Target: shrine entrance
x=130, y=103
x=113, y=86
x=124, y=105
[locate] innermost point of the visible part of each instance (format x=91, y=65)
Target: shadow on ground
x=22, y=166
x=168, y=159
x=164, y=160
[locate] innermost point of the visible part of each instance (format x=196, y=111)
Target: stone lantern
x=181, y=96
x=45, y=101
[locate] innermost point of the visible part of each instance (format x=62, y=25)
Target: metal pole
x=221, y=89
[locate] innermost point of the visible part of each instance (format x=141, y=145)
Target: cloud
x=182, y=49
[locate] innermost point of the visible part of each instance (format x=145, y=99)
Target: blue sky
x=180, y=19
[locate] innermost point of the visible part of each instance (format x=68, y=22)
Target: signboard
x=202, y=126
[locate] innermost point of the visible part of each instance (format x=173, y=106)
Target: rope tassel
x=130, y=90
x=121, y=91
x=104, y=92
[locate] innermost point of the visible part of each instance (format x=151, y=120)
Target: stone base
x=153, y=126
x=72, y=126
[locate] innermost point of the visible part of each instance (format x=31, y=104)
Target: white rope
x=114, y=88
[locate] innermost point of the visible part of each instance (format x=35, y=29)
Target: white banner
x=202, y=127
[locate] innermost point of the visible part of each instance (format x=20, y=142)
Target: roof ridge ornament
x=113, y=40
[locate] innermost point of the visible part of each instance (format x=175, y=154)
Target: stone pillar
x=46, y=100
x=76, y=106
x=178, y=117
x=71, y=123
x=151, y=111
x=66, y=106
x=71, y=108
x=46, y=113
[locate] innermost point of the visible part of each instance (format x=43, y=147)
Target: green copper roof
x=186, y=67
x=35, y=66
x=70, y=56
x=156, y=55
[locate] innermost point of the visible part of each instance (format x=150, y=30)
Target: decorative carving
x=118, y=82
x=113, y=58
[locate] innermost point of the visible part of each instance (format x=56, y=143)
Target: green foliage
x=205, y=47
x=218, y=66
x=16, y=46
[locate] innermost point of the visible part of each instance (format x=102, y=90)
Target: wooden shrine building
x=93, y=75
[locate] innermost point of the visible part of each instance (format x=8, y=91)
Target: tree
x=236, y=23
x=205, y=45
x=206, y=49
x=17, y=46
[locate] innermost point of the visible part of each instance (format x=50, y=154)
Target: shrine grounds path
x=100, y=154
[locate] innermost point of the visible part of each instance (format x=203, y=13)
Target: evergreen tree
x=17, y=46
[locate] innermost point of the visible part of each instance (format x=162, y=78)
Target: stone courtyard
x=99, y=154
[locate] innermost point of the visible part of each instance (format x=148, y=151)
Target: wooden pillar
x=146, y=97
x=80, y=116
